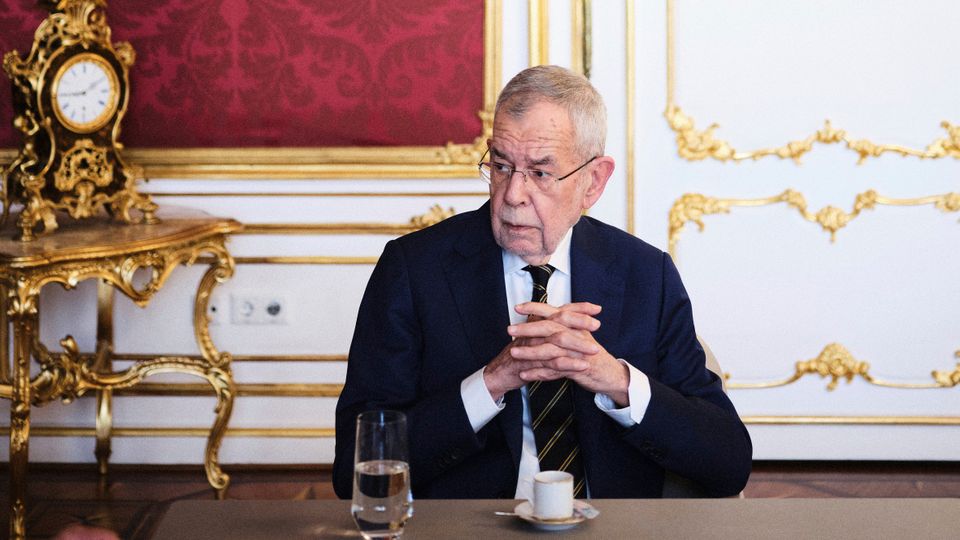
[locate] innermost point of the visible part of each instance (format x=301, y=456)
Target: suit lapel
x=474, y=273
x=595, y=278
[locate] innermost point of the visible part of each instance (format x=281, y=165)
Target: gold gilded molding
x=323, y=433
x=693, y=206
x=243, y=357
x=329, y=228
x=329, y=390
x=696, y=145
x=434, y=215
x=852, y=420
x=317, y=259
x=71, y=431
x=447, y=161
x=581, y=48
x=836, y=362
x=538, y=32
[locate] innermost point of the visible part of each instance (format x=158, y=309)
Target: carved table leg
x=104, y=364
x=104, y=429
x=219, y=374
x=25, y=324
x=222, y=382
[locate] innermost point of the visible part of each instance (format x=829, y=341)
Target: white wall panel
x=769, y=288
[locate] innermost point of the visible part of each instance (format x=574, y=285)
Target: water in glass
x=381, y=498
x=382, y=501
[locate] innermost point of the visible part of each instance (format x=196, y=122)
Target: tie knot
x=541, y=275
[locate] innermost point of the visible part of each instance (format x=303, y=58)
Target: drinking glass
x=382, y=501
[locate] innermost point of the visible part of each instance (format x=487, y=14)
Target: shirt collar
x=560, y=259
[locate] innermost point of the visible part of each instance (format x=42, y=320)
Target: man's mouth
x=514, y=228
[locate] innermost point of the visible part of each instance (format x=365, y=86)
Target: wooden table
x=739, y=519
x=135, y=260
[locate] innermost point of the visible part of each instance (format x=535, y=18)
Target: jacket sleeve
x=383, y=372
x=690, y=426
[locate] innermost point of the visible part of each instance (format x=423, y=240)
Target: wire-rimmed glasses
x=495, y=173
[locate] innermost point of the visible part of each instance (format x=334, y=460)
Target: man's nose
x=516, y=189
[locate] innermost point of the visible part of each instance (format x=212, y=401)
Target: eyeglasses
x=495, y=173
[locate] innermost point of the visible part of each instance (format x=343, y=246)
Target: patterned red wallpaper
x=297, y=73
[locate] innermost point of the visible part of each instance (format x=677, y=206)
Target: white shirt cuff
x=479, y=404
x=639, y=393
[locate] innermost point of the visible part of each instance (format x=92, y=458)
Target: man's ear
x=600, y=171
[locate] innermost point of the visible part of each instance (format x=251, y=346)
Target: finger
x=586, y=308
x=531, y=341
x=576, y=320
x=540, y=328
x=574, y=341
x=554, y=369
x=541, y=310
x=544, y=352
x=538, y=309
x=568, y=365
x=579, y=342
x=540, y=374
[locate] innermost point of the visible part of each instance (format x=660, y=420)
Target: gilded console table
x=113, y=253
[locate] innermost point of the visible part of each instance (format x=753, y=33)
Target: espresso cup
x=553, y=495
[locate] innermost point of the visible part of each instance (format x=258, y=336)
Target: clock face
x=85, y=92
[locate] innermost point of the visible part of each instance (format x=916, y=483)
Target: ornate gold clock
x=69, y=96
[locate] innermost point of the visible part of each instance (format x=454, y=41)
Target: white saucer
x=581, y=509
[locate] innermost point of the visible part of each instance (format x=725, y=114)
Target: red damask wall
x=287, y=73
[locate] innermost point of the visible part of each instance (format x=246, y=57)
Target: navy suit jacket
x=435, y=311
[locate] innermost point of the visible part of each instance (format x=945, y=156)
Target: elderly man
x=523, y=336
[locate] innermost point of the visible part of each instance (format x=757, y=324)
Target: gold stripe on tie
x=553, y=401
x=553, y=439
x=578, y=489
x=570, y=457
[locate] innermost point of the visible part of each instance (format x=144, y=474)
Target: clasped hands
x=554, y=343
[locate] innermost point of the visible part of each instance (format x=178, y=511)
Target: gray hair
x=571, y=91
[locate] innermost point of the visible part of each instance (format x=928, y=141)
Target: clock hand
x=93, y=85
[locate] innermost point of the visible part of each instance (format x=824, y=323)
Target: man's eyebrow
x=546, y=160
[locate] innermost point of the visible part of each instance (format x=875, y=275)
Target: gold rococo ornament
x=69, y=96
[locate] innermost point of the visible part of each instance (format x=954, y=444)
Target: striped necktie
x=551, y=409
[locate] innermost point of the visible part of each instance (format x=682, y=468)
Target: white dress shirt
x=479, y=404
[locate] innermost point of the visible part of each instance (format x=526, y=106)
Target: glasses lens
x=543, y=181
x=485, y=172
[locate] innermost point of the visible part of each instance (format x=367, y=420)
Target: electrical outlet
x=258, y=309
